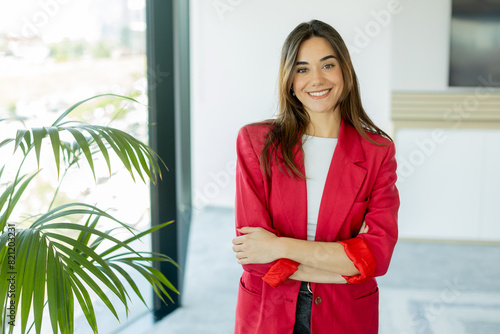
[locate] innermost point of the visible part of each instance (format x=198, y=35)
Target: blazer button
x=317, y=300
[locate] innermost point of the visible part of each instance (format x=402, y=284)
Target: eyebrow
x=322, y=59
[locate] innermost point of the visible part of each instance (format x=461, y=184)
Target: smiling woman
x=318, y=84
x=316, y=201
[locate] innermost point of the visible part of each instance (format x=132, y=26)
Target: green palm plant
x=41, y=265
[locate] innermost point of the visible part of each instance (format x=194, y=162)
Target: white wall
x=448, y=188
x=448, y=182
x=235, y=54
x=420, y=46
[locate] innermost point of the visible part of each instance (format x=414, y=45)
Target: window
x=54, y=53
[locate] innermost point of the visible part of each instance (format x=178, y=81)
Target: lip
x=320, y=97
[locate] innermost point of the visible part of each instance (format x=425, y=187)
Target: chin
x=323, y=111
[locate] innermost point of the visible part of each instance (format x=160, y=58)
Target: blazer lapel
x=293, y=193
x=342, y=185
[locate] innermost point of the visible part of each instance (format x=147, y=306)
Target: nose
x=317, y=78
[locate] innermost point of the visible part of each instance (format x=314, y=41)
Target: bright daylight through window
x=54, y=53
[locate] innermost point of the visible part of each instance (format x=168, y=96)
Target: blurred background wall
x=236, y=48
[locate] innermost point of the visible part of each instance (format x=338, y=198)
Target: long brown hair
x=292, y=120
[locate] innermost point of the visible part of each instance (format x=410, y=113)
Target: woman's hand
x=257, y=245
x=364, y=228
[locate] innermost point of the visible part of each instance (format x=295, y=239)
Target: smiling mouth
x=321, y=93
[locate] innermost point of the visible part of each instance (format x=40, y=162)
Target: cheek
x=298, y=84
x=340, y=79
x=337, y=78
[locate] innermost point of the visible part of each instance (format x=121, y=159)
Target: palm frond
x=76, y=105
x=11, y=196
x=67, y=266
x=56, y=145
x=56, y=270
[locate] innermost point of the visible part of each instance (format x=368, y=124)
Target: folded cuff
x=280, y=271
x=357, y=250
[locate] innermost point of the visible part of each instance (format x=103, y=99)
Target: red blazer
x=360, y=185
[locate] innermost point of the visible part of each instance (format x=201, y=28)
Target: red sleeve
x=381, y=216
x=357, y=250
x=251, y=207
x=280, y=271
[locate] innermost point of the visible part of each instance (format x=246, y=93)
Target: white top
x=318, y=153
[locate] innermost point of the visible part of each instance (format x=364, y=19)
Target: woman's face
x=318, y=80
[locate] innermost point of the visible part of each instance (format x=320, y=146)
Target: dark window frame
x=169, y=135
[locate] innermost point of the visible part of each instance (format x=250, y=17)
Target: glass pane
x=54, y=53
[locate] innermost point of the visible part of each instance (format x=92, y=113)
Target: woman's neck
x=326, y=125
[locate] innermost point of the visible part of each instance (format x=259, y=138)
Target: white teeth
x=320, y=93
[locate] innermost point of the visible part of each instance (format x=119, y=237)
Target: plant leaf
x=155, y=283
x=90, y=282
x=86, y=209
x=121, y=139
x=4, y=282
x=28, y=281
x=56, y=145
x=84, y=236
x=88, y=229
x=129, y=279
x=135, y=237
x=56, y=268
x=23, y=247
x=68, y=302
x=39, y=287
x=7, y=193
x=6, y=141
x=119, y=151
x=84, y=145
x=20, y=135
x=159, y=276
x=38, y=135
x=85, y=303
x=78, y=259
x=100, y=144
x=14, y=199
x=73, y=107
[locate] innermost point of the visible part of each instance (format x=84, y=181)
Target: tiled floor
x=431, y=288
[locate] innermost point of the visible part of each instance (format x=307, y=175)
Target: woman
x=316, y=201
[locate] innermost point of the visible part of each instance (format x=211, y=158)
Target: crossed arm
x=257, y=248
x=320, y=262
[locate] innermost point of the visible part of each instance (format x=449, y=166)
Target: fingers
x=238, y=240
x=240, y=257
x=364, y=228
x=238, y=249
x=248, y=229
x=243, y=229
